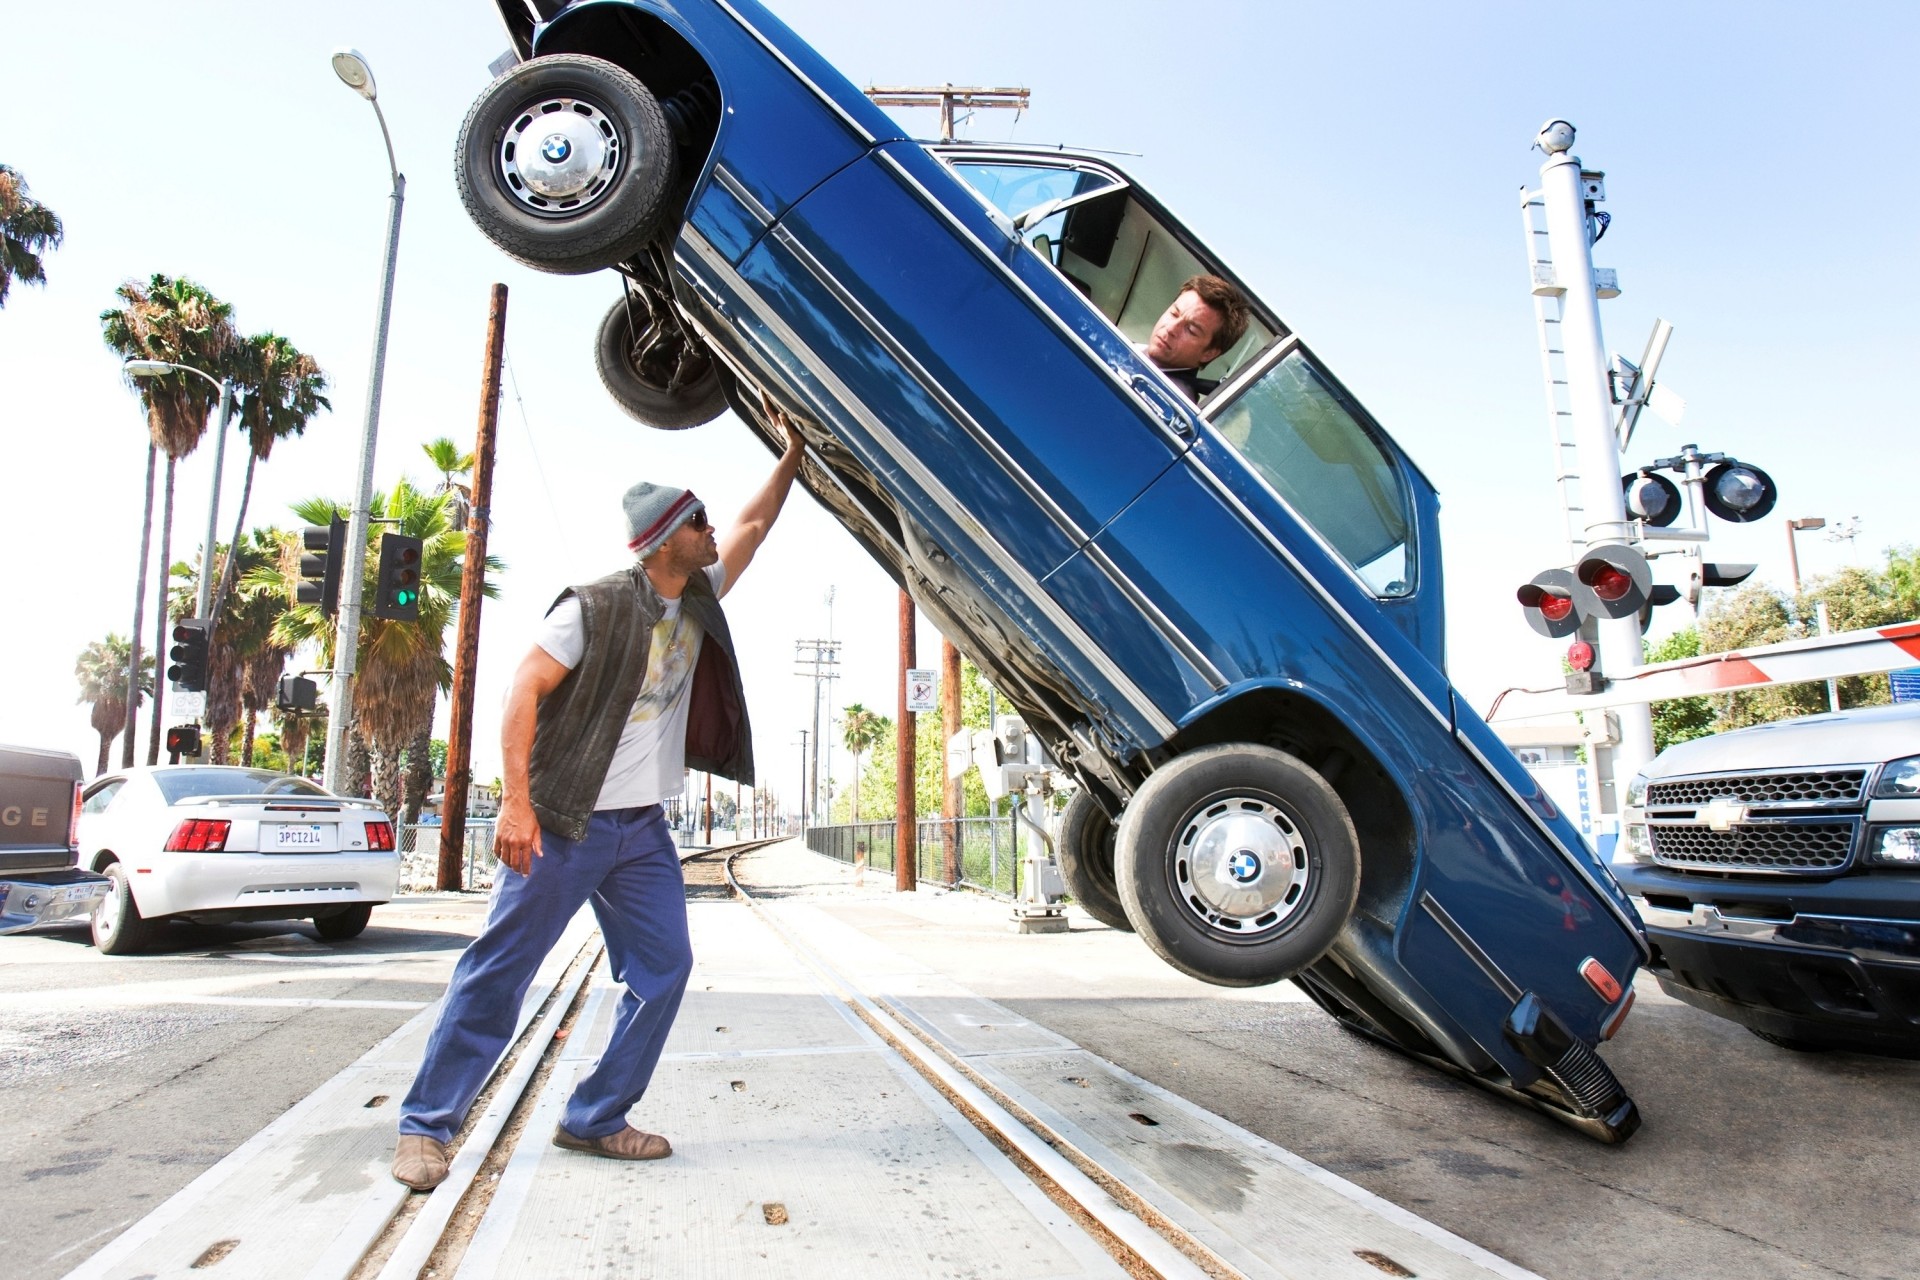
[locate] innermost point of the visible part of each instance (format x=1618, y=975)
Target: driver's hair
x=1228, y=301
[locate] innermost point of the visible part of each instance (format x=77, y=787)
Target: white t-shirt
x=650, y=760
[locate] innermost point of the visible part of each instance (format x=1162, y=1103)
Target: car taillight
x=73, y=823
x=198, y=835
x=380, y=836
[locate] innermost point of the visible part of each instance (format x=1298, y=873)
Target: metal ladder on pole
x=1548, y=299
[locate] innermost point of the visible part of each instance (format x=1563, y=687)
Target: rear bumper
x=171, y=884
x=43, y=899
x=1837, y=979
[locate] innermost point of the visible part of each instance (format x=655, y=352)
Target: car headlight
x=1637, y=791
x=1901, y=778
x=1894, y=846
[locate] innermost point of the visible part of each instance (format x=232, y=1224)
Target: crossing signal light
x=1651, y=497
x=1618, y=580
x=326, y=546
x=188, y=670
x=296, y=693
x=1739, y=492
x=398, y=596
x=1549, y=602
x=182, y=740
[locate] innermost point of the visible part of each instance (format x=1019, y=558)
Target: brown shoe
x=628, y=1144
x=420, y=1162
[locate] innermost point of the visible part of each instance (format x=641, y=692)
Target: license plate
x=293, y=836
x=81, y=893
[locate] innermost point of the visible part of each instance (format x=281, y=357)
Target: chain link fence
x=420, y=856
x=988, y=850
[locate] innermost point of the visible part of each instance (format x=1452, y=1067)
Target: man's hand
x=516, y=836
x=796, y=443
x=749, y=529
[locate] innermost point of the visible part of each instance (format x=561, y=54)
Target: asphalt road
x=123, y=1078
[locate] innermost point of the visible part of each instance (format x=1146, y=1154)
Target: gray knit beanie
x=654, y=512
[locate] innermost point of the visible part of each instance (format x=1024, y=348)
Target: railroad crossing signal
x=191, y=638
x=326, y=547
x=398, y=593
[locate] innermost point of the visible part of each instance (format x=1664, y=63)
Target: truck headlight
x=1894, y=846
x=1637, y=789
x=1901, y=778
x=1637, y=845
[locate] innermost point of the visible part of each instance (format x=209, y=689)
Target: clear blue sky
x=1358, y=163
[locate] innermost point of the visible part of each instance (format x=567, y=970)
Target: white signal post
x=1565, y=193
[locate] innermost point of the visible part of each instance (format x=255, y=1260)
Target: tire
x=1085, y=855
x=1238, y=864
x=604, y=169
x=118, y=927
x=343, y=925
x=654, y=369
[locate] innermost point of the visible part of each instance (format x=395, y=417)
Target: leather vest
x=579, y=724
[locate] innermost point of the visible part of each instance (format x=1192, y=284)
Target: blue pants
x=629, y=868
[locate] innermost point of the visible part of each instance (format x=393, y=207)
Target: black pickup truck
x=40, y=880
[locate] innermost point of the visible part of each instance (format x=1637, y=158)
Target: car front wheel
x=1085, y=855
x=566, y=164
x=1238, y=864
x=118, y=927
x=653, y=367
x=343, y=925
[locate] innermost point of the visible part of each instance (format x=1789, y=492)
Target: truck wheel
x=1238, y=864
x=118, y=927
x=566, y=164
x=343, y=925
x=653, y=368
x=1085, y=855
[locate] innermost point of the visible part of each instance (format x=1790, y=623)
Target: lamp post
x=354, y=72
x=1793, y=548
x=156, y=369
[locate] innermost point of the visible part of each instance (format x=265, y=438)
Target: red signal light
x=1611, y=584
x=1553, y=608
x=1580, y=656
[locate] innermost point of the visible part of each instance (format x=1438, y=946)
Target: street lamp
x=356, y=74
x=1793, y=549
x=159, y=369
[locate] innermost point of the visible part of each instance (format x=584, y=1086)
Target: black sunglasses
x=698, y=521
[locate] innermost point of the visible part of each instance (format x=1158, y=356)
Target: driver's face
x=1183, y=338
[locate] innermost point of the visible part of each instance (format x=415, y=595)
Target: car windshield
x=1304, y=437
x=185, y=784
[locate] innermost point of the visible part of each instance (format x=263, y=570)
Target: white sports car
x=215, y=842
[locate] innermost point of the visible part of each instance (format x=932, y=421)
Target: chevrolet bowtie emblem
x=1723, y=813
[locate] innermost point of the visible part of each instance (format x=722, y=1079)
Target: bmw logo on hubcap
x=1244, y=866
x=556, y=149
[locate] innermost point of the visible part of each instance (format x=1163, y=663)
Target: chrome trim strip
x=1608, y=893
x=1174, y=439
x=735, y=188
x=845, y=118
x=1462, y=939
x=905, y=458
x=1034, y=492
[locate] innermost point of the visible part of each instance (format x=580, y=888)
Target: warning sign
x=923, y=689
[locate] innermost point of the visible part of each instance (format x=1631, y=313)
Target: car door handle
x=1171, y=414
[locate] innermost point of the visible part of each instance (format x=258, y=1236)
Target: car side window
x=102, y=795
x=1307, y=440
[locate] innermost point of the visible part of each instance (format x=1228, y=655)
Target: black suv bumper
x=1833, y=964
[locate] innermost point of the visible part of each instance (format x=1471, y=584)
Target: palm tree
x=864, y=730
x=27, y=228
x=102, y=673
x=402, y=666
x=453, y=466
x=279, y=391
x=180, y=322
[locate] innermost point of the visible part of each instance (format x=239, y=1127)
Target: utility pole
x=473, y=570
x=819, y=661
x=946, y=97
x=803, y=781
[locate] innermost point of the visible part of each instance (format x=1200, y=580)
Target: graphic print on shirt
x=669, y=669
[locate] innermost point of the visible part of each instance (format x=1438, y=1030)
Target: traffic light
x=188, y=671
x=397, y=595
x=182, y=740
x=1549, y=602
x=320, y=573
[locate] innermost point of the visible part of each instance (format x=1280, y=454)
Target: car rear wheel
x=1085, y=855
x=343, y=925
x=566, y=164
x=1238, y=864
x=656, y=370
x=118, y=927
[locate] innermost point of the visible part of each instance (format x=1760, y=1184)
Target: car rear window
x=184, y=784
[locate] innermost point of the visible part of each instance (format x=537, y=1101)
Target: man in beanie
x=631, y=680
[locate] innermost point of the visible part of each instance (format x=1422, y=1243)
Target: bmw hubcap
x=560, y=156
x=1240, y=866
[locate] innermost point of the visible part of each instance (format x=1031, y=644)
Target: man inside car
x=1206, y=319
